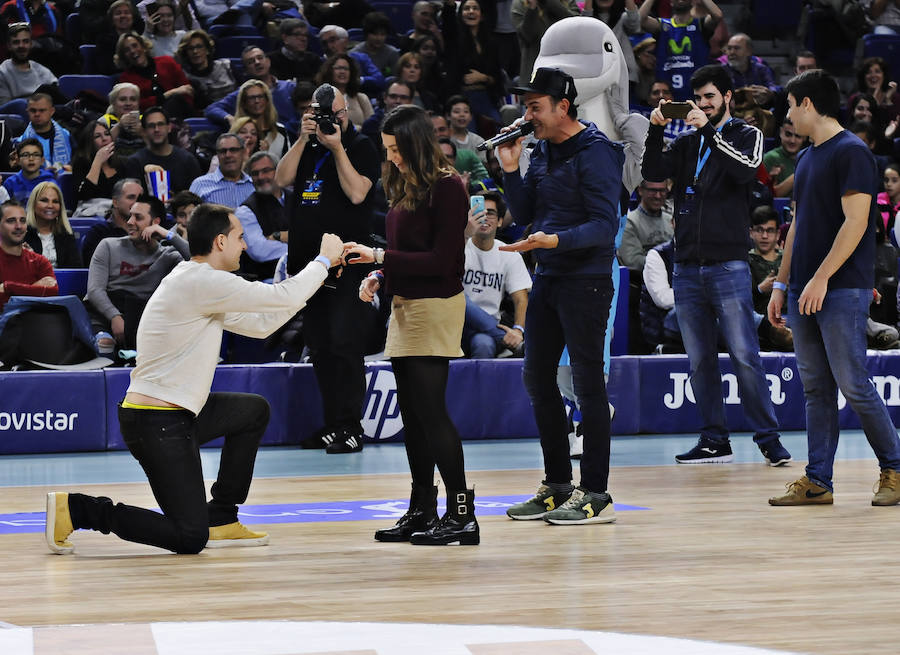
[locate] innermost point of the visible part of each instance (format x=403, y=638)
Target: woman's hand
x=361, y=254
x=368, y=288
x=103, y=154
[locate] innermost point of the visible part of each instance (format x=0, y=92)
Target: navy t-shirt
x=824, y=174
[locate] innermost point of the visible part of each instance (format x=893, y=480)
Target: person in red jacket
x=23, y=272
x=161, y=80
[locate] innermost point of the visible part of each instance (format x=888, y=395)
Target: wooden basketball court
x=708, y=559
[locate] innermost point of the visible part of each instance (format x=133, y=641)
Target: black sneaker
x=346, y=441
x=775, y=453
x=320, y=439
x=706, y=452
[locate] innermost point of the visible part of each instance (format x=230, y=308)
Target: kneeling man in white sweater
x=169, y=412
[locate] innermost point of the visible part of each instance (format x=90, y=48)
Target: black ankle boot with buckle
x=458, y=525
x=421, y=515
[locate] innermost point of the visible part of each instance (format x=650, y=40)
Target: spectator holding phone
x=161, y=28
x=490, y=275
x=713, y=169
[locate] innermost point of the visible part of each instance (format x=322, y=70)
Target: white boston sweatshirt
x=180, y=333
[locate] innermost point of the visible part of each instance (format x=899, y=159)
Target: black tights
x=430, y=436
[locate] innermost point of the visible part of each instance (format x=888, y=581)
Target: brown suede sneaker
x=803, y=492
x=887, y=489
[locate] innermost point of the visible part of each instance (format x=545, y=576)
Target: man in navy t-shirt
x=828, y=261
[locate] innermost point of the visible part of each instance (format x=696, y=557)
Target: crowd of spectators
x=119, y=153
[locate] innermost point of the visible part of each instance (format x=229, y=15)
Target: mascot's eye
x=608, y=46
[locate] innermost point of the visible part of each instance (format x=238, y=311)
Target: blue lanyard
x=701, y=160
x=319, y=164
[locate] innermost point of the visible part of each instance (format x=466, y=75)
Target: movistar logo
x=677, y=49
x=46, y=420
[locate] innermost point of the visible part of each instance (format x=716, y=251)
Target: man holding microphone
x=570, y=195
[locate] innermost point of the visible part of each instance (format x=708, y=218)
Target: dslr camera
x=323, y=101
x=324, y=118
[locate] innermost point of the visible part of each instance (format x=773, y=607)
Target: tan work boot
x=58, y=523
x=803, y=492
x=235, y=534
x=887, y=489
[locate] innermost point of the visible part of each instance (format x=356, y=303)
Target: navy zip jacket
x=717, y=228
x=571, y=189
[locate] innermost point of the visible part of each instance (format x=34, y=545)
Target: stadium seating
x=886, y=46
x=70, y=85
x=233, y=46
x=88, y=58
x=72, y=281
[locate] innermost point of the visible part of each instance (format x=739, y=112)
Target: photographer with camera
x=713, y=168
x=333, y=170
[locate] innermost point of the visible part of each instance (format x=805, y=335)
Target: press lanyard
x=321, y=161
x=701, y=160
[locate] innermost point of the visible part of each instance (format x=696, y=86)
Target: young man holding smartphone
x=712, y=169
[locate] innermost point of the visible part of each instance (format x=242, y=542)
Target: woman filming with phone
x=422, y=268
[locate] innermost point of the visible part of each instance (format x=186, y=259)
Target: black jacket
x=717, y=229
x=67, y=254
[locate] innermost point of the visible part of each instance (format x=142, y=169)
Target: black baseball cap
x=550, y=82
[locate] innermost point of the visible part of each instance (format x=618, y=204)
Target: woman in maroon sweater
x=422, y=269
x=161, y=79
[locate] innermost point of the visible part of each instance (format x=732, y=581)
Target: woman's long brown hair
x=418, y=146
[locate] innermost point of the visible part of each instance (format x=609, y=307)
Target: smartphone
x=675, y=110
x=152, y=8
x=476, y=203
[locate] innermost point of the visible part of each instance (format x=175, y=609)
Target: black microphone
x=506, y=137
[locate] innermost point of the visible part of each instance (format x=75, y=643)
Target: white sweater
x=180, y=333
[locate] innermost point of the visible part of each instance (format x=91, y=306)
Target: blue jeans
x=571, y=312
x=713, y=301
x=481, y=338
x=831, y=354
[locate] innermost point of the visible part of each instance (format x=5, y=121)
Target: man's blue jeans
x=481, y=338
x=715, y=300
x=831, y=354
x=569, y=311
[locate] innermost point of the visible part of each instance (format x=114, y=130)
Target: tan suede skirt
x=426, y=327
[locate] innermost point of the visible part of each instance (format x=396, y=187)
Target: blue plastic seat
x=66, y=182
x=72, y=281
x=201, y=125
x=88, y=58
x=70, y=85
x=233, y=46
x=399, y=13
x=886, y=46
x=73, y=28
